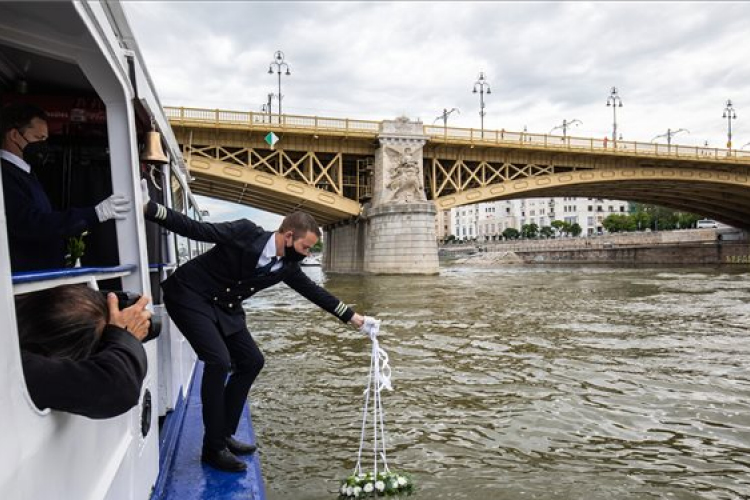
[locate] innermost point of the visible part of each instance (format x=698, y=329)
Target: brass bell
x=153, y=153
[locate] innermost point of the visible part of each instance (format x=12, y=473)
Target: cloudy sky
x=675, y=64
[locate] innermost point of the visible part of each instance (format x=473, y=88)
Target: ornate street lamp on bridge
x=279, y=63
x=614, y=101
x=730, y=115
x=266, y=108
x=480, y=84
x=565, y=125
x=445, y=116
x=670, y=133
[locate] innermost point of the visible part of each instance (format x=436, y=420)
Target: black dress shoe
x=223, y=460
x=240, y=448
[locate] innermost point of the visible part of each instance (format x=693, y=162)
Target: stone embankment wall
x=699, y=246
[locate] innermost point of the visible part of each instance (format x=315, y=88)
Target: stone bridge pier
x=396, y=232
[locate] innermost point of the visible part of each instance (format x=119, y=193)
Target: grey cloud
x=673, y=61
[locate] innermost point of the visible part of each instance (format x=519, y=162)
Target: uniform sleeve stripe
x=340, y=309
x=161, y=212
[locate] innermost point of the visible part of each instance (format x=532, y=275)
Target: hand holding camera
x=134, y=317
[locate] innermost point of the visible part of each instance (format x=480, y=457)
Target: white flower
x=380, y=485
x=402, y=481
x=357, y=491
x=368, y=488
x=343, y=489
x=348, y=491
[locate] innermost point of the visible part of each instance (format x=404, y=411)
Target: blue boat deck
x=182, y=475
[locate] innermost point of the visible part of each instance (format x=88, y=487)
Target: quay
x=682, y=247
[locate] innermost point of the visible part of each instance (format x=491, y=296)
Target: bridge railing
x=503, y=137
x=266, y=121
x=453, y=135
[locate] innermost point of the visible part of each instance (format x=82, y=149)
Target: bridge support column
x=396, y=232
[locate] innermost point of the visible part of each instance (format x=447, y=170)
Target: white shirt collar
x=15, y=160
x=269, y=252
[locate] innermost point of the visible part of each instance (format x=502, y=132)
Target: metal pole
x=730, y=115
x=614, y=101
x=279, y=73
x=614, y=123
x=481, y=83
x=729, y=133
x=481, y=109
x=279, y=64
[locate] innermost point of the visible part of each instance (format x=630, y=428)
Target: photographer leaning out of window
x=81, y=354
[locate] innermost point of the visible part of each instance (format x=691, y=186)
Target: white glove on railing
x=371, y=327
x=114, y=207
x=145, y=197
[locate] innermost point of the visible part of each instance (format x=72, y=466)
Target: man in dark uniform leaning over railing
x=204, y=299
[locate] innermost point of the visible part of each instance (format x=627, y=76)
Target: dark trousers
x=223, y=401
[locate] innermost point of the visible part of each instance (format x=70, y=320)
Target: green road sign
x=272, y=139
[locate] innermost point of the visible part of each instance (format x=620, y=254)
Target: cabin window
x=182, y=244
x=77, y=173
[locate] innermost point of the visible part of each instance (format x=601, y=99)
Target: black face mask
x=35, y=153
x=292, y=255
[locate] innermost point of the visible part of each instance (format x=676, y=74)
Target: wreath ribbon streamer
x=378, y=379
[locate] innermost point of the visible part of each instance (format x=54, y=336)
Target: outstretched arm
x=321, y=297
x=222, y=233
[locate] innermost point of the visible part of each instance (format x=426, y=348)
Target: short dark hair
x=19, y=115
x=300, y=223
x=62, y=322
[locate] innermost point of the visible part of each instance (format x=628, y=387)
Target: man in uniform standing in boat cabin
x=37, y=232
x=204, y=299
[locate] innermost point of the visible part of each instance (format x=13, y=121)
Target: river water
x=516, y=383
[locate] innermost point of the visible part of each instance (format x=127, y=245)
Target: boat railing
x=33, y=281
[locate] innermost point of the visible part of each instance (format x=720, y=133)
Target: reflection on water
x=517, y=383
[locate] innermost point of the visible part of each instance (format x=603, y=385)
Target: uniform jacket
x=36, y=232
x=220, y=279
x=104, y=385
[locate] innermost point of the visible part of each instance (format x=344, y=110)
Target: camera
x=127, y=299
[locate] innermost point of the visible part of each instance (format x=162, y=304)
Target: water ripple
x=517, y=383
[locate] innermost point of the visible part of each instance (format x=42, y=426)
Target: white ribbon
x=378, y=379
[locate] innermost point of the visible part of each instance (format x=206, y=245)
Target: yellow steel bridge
x=325, y=166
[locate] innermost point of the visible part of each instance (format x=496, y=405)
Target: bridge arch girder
x=273, y=193
x=722, y=195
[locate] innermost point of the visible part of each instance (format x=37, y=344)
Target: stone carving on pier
x=405, y=185
x=398, y=177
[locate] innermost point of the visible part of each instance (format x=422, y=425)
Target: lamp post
x=614, y=101
x=730, y=115
x=266, y=108
x=279, y=63
x=670, y=133
x=480, y=84
x=565, y=125
x=445, y=116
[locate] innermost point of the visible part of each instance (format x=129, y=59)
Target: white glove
x=371, y=327
x=145, y=198
x=114, y=207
